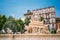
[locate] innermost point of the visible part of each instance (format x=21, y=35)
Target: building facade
x=48, y=14
x=58, y=25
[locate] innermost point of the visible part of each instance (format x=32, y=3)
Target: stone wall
x=29, y=37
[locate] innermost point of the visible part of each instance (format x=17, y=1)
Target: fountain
x=37, y=26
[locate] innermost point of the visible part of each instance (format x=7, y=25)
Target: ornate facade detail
x=37, y=26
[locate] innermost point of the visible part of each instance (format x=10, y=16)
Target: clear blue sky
x=17, y=8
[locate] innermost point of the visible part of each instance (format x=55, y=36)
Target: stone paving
x=29, y=37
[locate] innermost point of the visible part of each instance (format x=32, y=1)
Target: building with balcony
x=47, y=13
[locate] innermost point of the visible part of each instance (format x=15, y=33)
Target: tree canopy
x=3, y=19
x=27, y=21
x=16, y=25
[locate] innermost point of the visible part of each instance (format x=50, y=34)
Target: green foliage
x=41, y=19
x=27, y=21
x=10, y=22
x=3, y=19
x=14, y=25
x=21, y=27
x=53, y=31
x=10, y=18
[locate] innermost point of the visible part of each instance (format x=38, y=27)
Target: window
x=44, y=16
x=52, y=9
x=46, y=10
x=50, y=20
x=52, y=15
x=53, y=20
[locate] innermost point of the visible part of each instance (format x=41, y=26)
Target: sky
x=17, y=8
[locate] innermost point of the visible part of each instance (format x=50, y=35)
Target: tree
x=27, y=21
x=10, y=18
x=14, y=25
x=3, y=19
x=53, y=31
x=10, y=23
x=41, y=19
x=1, y=24
x=21, y=27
